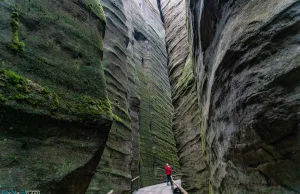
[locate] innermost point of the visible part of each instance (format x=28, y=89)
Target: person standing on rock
x=168, y=171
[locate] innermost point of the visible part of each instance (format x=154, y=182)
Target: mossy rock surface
x=55, y=113
x=62, y=56
x=141, y=140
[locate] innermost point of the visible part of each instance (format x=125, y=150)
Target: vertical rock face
x=114, y=169
x=247, y=69
x=135, y=60
x=54, y=112
x=186, y=123
x=149, y=57
x=234, y=69
x=58, y=101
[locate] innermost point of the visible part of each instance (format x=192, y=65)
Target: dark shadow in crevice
x=139, y=36
x=160, y=11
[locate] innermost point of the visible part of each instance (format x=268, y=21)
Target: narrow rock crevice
x=160, y=11
x=211, y=86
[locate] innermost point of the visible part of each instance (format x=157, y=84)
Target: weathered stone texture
x=54, y=112
x=186, y=124
x=135, y=62
x=149, y=58
x=234, y=68
x=51, y=73
x=114, y=169
x=247, y=69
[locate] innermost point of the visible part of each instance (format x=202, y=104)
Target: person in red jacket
x=168, y=171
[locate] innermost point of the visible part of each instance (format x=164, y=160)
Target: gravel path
x=157, y=189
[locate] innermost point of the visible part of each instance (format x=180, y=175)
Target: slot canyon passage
x=95, y=93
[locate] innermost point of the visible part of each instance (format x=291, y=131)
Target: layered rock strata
x=135, y=61
x=54, y=112
x=149, y=58
x=247, y=67
x=238, y=59
x=51, y=72
x=114, y=169
x=186, y=123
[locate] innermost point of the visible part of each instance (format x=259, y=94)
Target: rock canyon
x=96, y=93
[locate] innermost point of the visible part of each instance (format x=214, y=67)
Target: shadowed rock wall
x=54, y=112
x=239, y=59
x=51, y=75
x=186, y=123
x=149, y=58
x=247, y=69
x=135, y=61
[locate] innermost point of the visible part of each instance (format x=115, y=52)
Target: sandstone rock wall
x=149, y=57
x=51, y=75
x=54, y=112
x=114, y=169
x=186, y=123
x=135, y=62
x=247, y=67
x=234, y=71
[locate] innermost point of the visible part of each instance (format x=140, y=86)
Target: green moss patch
x=16, y=45
x=96, y=8
x=30, y=95
x=187, y=74
x=61, y=70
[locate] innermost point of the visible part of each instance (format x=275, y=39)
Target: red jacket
x=168, y=170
